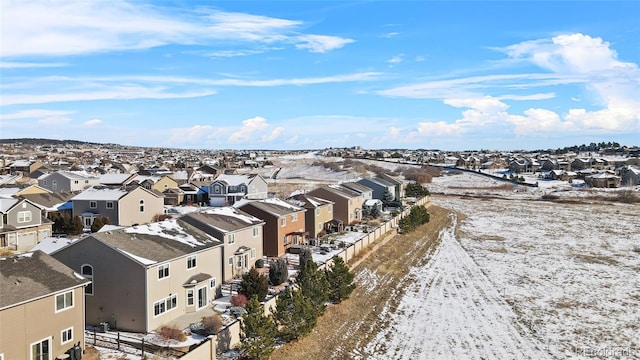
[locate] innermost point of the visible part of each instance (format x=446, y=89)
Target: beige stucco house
x=41, y=307
x=348, y=203
x=318, y=215
x=124, y=206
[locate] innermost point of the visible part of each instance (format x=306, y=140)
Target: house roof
x=115, y=179
x=71, y=175
x=341, y=191
x=6, y=204
x=50, y=201
x=101, y=193
x=274, y=206
x=157, y=242
x=357, y=187
x=234, y=180
x=308, y=201
x=33, y=275
x=223, y=219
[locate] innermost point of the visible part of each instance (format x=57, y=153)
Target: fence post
x=94, y=335
x=142, y=347
x=118, y=340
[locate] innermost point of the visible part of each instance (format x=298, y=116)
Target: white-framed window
x=172, y=302
x=141, y=206
x=319, y=226
x=253, y=253
x=93, y=204
x=87, y=271
x=41, y=350
x=216, y=189
x=44, y=183
x=317, y=211
x=329, y=208
x=256, y=231
x=283, y=221
x=231, y=238
x=66, y=335
x=294, y=217
x=191, y=262
x=163, y=271
x=159, y=307
x=231, y=260
x=64, y=301
x=54, y=184
x=109, y=204
x=190, y=297
x=76, y=182
x=212, y=283
x=24, y=216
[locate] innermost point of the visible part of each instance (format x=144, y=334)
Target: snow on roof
x=168, y=229
x=21, y=163
x=76, y=175
x=109, y=227
x=234, y=180
x=50, y=245
x=114, y=178
x=233, y=212
x=139, y=259
x=281, y=203
x=6, y=204
x=101, y=193
x=9, y=191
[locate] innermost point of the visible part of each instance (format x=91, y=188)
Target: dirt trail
x=350, y=326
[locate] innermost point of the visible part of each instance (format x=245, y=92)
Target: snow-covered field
x=522, y=278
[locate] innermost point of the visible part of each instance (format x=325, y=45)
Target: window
x=294, y=217
x=256, y=231
x=93, y=204
x=191, y=262
x=319, y=226
x=41, y=350
x=109, y=204
x=54, y=185
x=169, y=303
x=231, y=238
x=141, y=205
x=329, y=208
x=212, y=283
x=24, y=216
x=253, y=253
x=64, y=301
x=163, y=271
x=216, y=189
x=159, y=307
x=283, y=221
x=87, y=272
x=66, y=335
x=44, y=182
x=317, y=211
x=190, y=297
x=231, y=260
x=172, y=302
x=75, y=182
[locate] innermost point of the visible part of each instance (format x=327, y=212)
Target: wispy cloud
x=390, y=34
x=92, y=122
x=397, y=59
x=71, y=27
x=251, y=127
x=34, y=114
x=27, y=65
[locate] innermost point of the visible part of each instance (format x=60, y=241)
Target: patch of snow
x=140, y=259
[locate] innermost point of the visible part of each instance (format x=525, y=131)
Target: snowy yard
x=521, y=278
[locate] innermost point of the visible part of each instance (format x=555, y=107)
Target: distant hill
x=37, y=141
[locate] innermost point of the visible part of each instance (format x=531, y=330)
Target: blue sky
x=313, y=74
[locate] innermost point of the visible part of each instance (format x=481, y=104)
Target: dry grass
x=500, y=249
x=90, y=353
x=354, y=322
x=172, y=332
x=596, y=259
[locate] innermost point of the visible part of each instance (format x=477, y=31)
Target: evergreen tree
x=340, y=281
x=294, y=314
x=76, y=226
x=314, y=286
x=254, y=284
x=304, y=256
x=257, y=332
x=99, y=223
x=278, y=271
x=416, y=190
x=416, y=217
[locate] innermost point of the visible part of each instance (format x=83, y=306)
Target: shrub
x=278, y=271
x=304, y=256
x=211, y=324
x=239, y=300
x=254, y=284
x=172, y=333
x=160, y=217
x=628, y=196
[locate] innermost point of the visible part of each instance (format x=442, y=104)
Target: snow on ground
x=524, y=279
x=451, y=310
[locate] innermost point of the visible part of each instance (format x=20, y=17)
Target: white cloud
x=394, y=131
x=274, y=134
x=249, y=128
x=391, y=34
x=72, y=27
x=26, y=65
x=397, y=59
x=197, y=134
x=486, y=104
x=439, y=128
x=93, y=122
x=321, y=43
x=420, y=58
x=35, y=113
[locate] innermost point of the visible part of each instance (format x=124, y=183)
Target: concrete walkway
x=184, y=321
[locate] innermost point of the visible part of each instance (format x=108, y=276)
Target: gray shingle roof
x=34, y=275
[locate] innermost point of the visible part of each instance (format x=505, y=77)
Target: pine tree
x=254, y=284
x=278, y=271
x=340, y=281
x=304, y=256
x=294, y=314
x=314, y=286
x=257, y=332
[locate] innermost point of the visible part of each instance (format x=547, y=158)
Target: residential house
x=347, y=207
x=51, y=202
x=284, y=224
x=603, y=180
x=117, y=179
x=240, y=233
x=227, y=189
x=382, y=189
x=41, y=307
x=630, y=175
x=146, y=276
x=154, y=182
x=24, y=167
x=400, y=186
x=319, y=213
x=365, y=192
x=124, y=206
x=69, y=181
x=22, y=225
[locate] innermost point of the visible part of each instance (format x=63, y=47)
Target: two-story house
x=154, y=182
x=284, y=224
x=382, y=189
x=67, y=181
x=348, y=203
x=124, y=206
x=240, y=233
x=41, y=307
x=22, y=225
x=318, y=215
x=146, y=276
x=226, y=189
